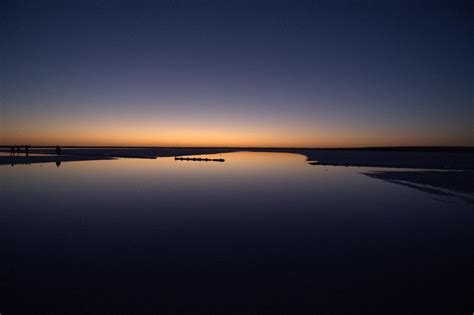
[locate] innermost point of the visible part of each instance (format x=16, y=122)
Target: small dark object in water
x=176, y=158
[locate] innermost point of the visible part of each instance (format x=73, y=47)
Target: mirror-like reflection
x=262, y=232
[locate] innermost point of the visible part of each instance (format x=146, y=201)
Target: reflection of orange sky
x=236, y=164
x=123, y=133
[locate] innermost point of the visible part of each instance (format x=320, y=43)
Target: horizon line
x=254, y=147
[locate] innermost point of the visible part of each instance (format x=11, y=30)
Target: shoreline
x=449, y=158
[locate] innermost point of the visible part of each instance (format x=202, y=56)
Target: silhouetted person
x=18, y=148
x=58, y=150
x=26, y=150
x=12, y=150
x=58, y=163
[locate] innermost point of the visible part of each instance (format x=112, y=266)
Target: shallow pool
x=259, y=233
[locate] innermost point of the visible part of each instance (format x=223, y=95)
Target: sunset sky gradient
x=236, y=73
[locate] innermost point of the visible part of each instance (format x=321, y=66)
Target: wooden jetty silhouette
x=180, y=158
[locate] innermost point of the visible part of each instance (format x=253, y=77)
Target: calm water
x=262, y=232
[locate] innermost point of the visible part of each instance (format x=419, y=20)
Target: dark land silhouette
x=458, y=184
x=450, y=158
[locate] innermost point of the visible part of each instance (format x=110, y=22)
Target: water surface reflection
x=262, y=232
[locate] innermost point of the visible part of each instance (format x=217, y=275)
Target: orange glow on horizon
x=116, y=131
x=212, y=138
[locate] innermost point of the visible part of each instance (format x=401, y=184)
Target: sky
x=237, y=73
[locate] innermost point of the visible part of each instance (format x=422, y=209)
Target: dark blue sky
x=276, y=73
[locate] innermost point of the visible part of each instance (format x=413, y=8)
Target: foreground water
x=261, y=232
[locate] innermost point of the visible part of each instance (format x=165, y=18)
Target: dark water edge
x=156, y=301
x=443, y=183
x=422, y=158
x=25, y=160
